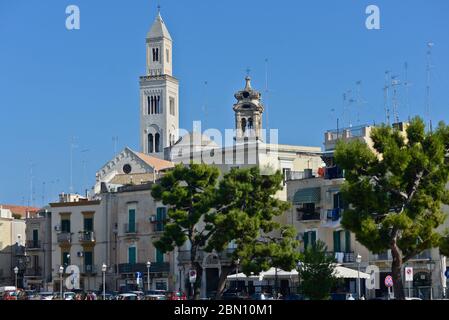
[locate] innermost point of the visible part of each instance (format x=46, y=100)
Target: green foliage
x=316, y=272
x=240, y=209
x=397, y=191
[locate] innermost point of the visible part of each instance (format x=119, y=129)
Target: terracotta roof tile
x=156, y=163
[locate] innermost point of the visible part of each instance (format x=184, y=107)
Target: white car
x=127, y=296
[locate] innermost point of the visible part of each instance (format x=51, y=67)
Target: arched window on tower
x=159, y=107
x=157, y=54
x=156, y=142
x=250, y=123
x=243, y=124
x=154, y=54
x=150, y=143
x=148, y=104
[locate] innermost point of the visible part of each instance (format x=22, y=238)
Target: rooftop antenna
x=407, y=85
x=386, y=88
x=359, y=100
x=84, y=165
x=266, y=94
x=43, y=194
x=395, y=82
x=31, y=201
x=429, y=74
x=72, y=146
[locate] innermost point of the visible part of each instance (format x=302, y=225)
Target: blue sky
x=57, y=84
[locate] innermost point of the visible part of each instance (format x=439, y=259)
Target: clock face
x=127, y=168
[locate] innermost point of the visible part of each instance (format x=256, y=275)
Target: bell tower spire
x=248, y=112
x=159, y=92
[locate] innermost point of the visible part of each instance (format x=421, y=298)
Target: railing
x=333, y=173
x=89, y=269
x=158, y=227
x=64, y=237
x=33, y=244
x=142, y=267
x=299, y=175
x=308, y=216
x=33, y=272
x=86, y=236
x=224, y=256
x=334, y=214
x=342, y=257
x=386, y=256
x=130, y=228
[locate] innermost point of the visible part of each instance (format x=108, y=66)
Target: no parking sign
x=388, y=281
x=408, y=274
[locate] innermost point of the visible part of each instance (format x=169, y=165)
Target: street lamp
x=61, y=272
x=298, y=268
x=16, y=271
x=358, y=260
x=148, y=274
x=237, y=262
x=430, y=265
x=104, y=267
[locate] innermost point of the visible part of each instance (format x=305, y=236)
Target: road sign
x=192, y=276
x=408, y=274
x=138, y=275
x=388, y=281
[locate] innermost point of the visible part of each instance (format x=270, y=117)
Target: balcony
x=334, y=214
x=158, y=227
x=142, y=267
x=64, y=238
x=308, y=216
x=333, y=173
x=89, y=269
x=33, y=272
x=342, y=257
x=86, y=237
x=33, y=244
x=224, y=256
x=130, y=228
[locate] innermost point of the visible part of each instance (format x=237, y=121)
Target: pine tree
x=396, y=191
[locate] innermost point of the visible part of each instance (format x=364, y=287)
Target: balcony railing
x=33, y=272
x=224, y=256
x=86, y=236
x=33, y=244
x=308, y=216
x=64, y=237
x=142, y=267
x=130, y=228
x=89, y=269
x=334, y=214
x=158, y=227
x=342, y=257
x=333, y=173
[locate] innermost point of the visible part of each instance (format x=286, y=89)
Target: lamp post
x=298, y=268
x=358, y=260
x=104, y=267
x=16, y=271
x=148, y=274
x=237, y=262
x=430, y=264
x=61, y=272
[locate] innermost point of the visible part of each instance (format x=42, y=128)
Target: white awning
x=347, y=273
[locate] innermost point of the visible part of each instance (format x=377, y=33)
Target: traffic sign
x=388, y=281
x=192, y=276
x=408, y=274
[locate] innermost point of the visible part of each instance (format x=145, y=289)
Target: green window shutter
x=348, y=241
x=306, y=240
x=313, y=238
x=159, y=256
x=88, y=224
x=88, y=258
x=337, y=241
x=65, y=225
x=65, y=258
x=132, y=255
x=35, y=236
x=132, y=220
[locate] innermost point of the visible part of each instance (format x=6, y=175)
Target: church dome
x=196, y=139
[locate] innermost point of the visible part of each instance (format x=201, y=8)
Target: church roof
x=158, y=29
x=196, y=139
x=156, y=163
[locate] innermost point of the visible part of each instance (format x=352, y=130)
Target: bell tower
x=159, y=93
x=248, y=112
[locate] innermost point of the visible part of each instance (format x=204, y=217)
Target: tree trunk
x=197, y=284
x=396, y=270
x=225, y=271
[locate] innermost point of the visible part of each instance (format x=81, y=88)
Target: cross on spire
x=248, y=70
x=159, y=8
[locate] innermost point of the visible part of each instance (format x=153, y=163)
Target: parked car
x=127, y=296
x=260, y=296
x=9, y=295
x=155, y=295
x=233, y=295
x=46, y=295
x=293, y=296
x=176, y=295
x=139, y=294
x=27, y=295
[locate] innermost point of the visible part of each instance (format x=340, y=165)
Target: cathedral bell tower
x=248, y=113
x=159, y=93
